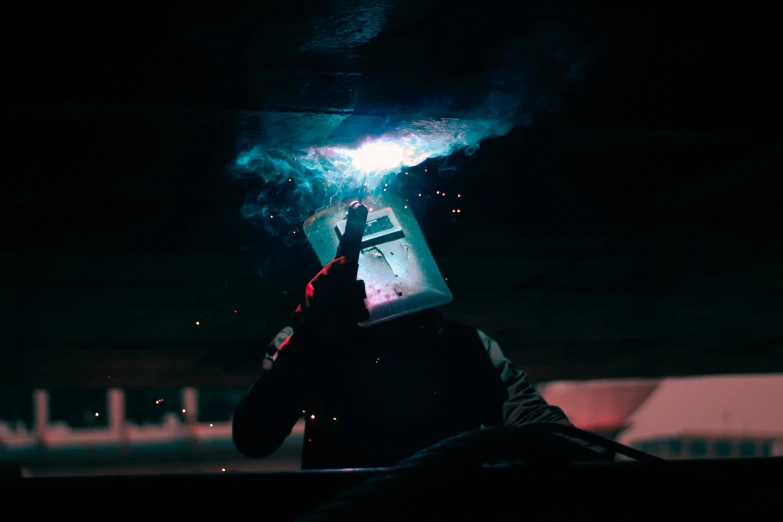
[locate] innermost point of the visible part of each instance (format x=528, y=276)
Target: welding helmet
x=399, y=273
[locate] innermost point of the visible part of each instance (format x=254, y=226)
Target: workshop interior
x=596, y=188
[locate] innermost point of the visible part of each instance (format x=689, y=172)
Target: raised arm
x=333, y=305
x=267, y=414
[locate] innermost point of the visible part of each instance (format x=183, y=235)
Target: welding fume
x=370, y=361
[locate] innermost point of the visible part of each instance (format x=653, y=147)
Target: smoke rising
x=315, y=165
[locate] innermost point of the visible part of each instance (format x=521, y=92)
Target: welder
x=372, y=364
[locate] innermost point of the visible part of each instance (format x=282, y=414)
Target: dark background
x=631, y=230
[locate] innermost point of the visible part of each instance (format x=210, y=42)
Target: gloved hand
x=333, y=303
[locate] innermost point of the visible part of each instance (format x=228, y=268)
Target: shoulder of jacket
x=488, y=342
x=466, y=334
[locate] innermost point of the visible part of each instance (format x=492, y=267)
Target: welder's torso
x=389, y=399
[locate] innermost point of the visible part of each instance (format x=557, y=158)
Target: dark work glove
x=333, y=303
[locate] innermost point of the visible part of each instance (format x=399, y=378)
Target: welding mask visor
x=399, y=272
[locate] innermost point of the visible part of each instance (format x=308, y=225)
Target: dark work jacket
x=387, y=394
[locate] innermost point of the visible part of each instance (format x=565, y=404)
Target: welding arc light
x=378, y=156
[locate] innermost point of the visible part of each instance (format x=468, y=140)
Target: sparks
x=403, y=146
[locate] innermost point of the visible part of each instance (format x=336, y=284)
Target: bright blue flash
x=379, y=156
x=408, y=145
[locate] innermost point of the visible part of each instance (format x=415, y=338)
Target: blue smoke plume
x=331, y=158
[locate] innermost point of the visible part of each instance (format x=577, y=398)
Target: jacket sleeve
x=267, y=414
x=523, y=403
